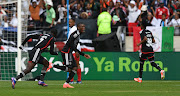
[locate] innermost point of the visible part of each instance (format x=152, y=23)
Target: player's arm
x=72, y=45
x=36, y=36
x=143, y=41
x=52, y=48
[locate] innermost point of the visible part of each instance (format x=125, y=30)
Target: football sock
x=79, y=74
x=156, y=66
x=71, y=75
x=141, y=69
x=43, y=73
x=64, y=68
x=22, y=74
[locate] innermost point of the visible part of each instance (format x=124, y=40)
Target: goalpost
x=12, y=36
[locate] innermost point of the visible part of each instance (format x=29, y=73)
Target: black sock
x=141, y=69
x=22, y=74
x=43, y=73
x=71, y=75
x=64, y=68
x=156, y=66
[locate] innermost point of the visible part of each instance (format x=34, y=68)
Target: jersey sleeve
x=36, y=36
x=72, y=45
x=52, y=47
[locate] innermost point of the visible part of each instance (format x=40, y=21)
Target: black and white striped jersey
x=71, y=44
x=44, y=40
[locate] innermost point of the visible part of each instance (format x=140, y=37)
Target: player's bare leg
x=28, y=69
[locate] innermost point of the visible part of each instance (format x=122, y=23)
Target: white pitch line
x=141, y=91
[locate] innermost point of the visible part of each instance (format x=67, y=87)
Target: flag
x=163, y=38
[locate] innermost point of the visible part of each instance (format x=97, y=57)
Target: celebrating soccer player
x=35, y=55
x=147, y=51
x=66, y=53
x=73, y=28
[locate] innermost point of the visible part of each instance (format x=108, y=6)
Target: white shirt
x=14, y=22
x=133, y=14
x=159, y=22
x=174, y=22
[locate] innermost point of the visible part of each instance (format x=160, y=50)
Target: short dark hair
x=144, y=23
x=54, y=31
x=73, y=19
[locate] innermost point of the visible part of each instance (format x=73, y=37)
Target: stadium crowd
x=48, y=13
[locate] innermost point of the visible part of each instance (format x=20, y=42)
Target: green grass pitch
x=93, y=88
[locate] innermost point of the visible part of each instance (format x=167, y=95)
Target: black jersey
x=71, y=44
x=44, y=40
x=147, y=46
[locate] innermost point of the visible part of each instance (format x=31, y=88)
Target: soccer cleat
x=13, y=80
x=71, y=82
x=162, y=74
x=42, y=83
x=50, y=66
x=138, y=80
x=67, y=86
x=79, y=82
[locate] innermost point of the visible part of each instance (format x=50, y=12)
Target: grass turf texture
x=93, y=88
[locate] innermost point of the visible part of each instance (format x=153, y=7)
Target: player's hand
x=21, y=47
x=87, y=56
x=138, y=44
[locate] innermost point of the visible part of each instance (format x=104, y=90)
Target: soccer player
x=35, y=55
x=147, y=51
x=66, y=53
x=73, y=28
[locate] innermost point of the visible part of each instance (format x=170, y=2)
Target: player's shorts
x=68, y=60
x=35, y=56
x=145, y=56
x=76, y=58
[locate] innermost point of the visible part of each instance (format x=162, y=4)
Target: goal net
x=9, y=37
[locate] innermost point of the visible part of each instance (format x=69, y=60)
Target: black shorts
x=68, y=60
x=35, y=56
x=145, y=56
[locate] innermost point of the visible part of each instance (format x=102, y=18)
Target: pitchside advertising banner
x=113, y=66
x=163, y=37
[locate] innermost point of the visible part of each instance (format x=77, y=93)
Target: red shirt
x=160, y=11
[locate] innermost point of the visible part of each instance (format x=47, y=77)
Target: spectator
x=110, y=7
x=175, y=23
x=50, y=14
x=64, y=19
x=133, y=14
x=104, y=22
x=34, y=11
x=163, y=22
x=14, y=21
x=5, y=22
x=151, y=20
x=84, y=15
x=118, y=17
x=89, y=11
x=162, y=10
x=76, y=11
x=61, y=14
x=95, y=7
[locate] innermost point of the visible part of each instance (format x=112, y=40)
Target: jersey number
x=149, y=42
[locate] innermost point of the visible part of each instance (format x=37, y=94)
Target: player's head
x=81, y=27
x=71, y=22
x=54, y=32
x=143, y=24
x=161, y=4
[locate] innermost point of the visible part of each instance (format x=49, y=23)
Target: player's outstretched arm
x=36, y=36
x=87, y=56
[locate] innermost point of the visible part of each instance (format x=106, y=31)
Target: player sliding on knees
x=66, y=53
x=35, y=55
x=147, y=52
